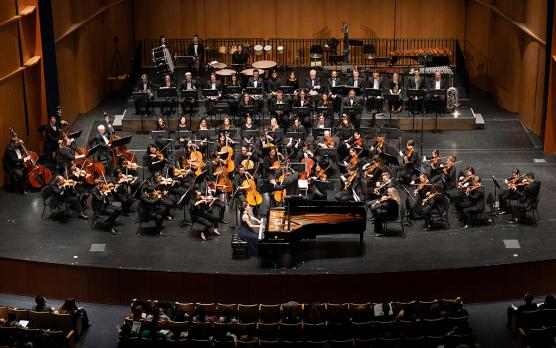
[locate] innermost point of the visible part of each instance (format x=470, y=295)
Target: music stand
x=232, y=132
x=276, y=134
x=183, y=135
x=325, y=152
x=319, y=132
x=350, y=110
x=293, y=135
x=417, y=95
x=230, y=90
x=167, y=92
x=435, y=97
x=300, y=110
x=284, y=107
x=251, y=134
x=75, y=135
x=298, y=167
x=247, y=109
x=338, y=89
x=209, y=92
x=254, y=90
x=371, y=92
x=183, y=60
x=345, y=133
x=144, y=97
x=496, y=186
x=367, y=131
x=286, y=89
x=389, y=98
x=391, y=132
x=335, y=59
x=327, y=111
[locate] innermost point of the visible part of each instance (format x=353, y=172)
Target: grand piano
x=305, y=219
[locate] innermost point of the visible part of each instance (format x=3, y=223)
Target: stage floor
x=503, y=145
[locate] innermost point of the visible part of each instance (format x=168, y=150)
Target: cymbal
x=249, y=72
x=264, y=64
x=225, y=72
x=218, y=65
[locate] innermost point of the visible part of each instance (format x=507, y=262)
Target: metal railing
x=296, y=52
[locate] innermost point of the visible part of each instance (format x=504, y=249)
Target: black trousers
x=113, y=212
x=124, y=198
x=380, y=216
x=18, y=177
x=158, y=218
x=206, y=219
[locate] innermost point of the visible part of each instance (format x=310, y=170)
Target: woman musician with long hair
x=385, y=209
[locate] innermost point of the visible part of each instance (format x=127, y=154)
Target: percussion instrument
x=280, y=49
x=427, y=51
x=222, y=49
x=218, y=65
x=258, y=50
x=249, y=72
x=233, y=49
x=267, y=48
x=225, y=72
x=264, y=64
x=162, y=60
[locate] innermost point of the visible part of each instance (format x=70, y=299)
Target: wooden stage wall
x=119, y=286
x=22, y=91
x=550, y=132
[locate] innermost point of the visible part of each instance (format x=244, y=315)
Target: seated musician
x=239, y=178
x=202, y=135
x=233, y=99
x=334, y=81
x=102, y=140
x=126, y=185
x=188, y=84
x=14, y=164
x=274, y=83
x=385, y=209
x=168, y=194
x=274, y=132
x=434, y=202
x=395, y=89
x=472, y=202
x=65, y=155
x=62, y=193
x=244, y=155
x=284, y=178
x=302, y=101
x=226, y=125
x=240, y=57
x=297, y=127
x=247, y=139
x=386, y=181
x=150, y=201
x=280, y=108
x=356, y=81
x=102, y=204
x=355, y=141
x=511, y=192
x=352, y=160
x=410, y=158
x=378, y=146
x=373, y=170
x=215, y=84
x=318, y=180
x=353, y=102
x=167, y=83
x=375, y=82
x=257, y=81
x=325, y=101
x=422, y=189
x=351, y=186
x=321, y=122
x=201, y=213
x=262, y=143
x=248, y=125
x=436, y=102
x=528, y=196
x=433, y=166
x=271, y=163
x=160, y=138
x=312, y=83
x=449, y=173
x=416, y=82
x=143, y=85
x=345, y=130
x=153, y=159
x=245, y=105
x=326, y=141
x=292, y=81
x=249, y=229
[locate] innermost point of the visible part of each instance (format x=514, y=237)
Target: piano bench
x=239, y=247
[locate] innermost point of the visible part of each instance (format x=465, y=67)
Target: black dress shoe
x=169, y=218
x=83, y=216
x=113, y=231
x=224, y=221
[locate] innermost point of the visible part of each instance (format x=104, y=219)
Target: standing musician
x=351, y=186
x=14, y=164
x=150, y=200
x=302, y=101
x=432, y=203
x=240, y=57
x=50, y=133
x=511, y=192
x=528, y=196
x=471, y=202
x=353, y=101
x=66, y=155
x=102, y=139
x=385, y=209
x=143, y=85
x=103, y=205
x=375, y=82
x=410, y=158
x=63, y=191
x=416, y=82
x=197, y=51
x=274, y=83
x=200, y=213
x=436, y=101
x=280, y=108
x=188, y=84
x=396, y=105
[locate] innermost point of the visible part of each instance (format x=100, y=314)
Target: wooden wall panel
x=407, y=18
x=103, y=285
x=189, y=22
x=81, y=10
x=62, y=16
x=10, y=48
x=357, y=14
x=381, y=24
x=153, y=19
x=288, y=17
x=43, y=279
x=36, y=103
x=247, y=18
x=535, y=17
x=73, y=283
x=14, y=277
x=65, y=60
x=166, y=286
x=7, y=10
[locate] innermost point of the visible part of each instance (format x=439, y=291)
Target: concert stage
x=480, y=263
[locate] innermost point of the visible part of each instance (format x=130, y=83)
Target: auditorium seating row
x=535, y=328
x=45, y=329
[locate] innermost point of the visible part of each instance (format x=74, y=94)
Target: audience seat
x=315, y=332
x=422, y=308
x=363, y=330
x=223, y=307
x=366, y=342
x=249, y=344
x=270, y=313
x=198, y=343
x=360, y=312
x=40, y=320
x=180, y=309
x=248, y=313
x=210, y=308
x=272, y=344
x=291, y=332
x=268, y=331
x=340, y=343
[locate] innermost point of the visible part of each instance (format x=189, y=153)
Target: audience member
x=41, y=305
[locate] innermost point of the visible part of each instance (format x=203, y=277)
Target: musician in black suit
x=434, y=202
x=356, y=81
x=353, y=101
x=149, y=203
x=352, y=186
x=213, y=83
x=103, y=205
x=255, y=81
x=410, y=159
x=434, y=101
x=303, y=101
x=61, y=194
x=143, y=85
x=385, y=209
x=472, y=202
x=50, y=137
x=527, y=196
x=196, y=50
x=416, y=82
x=322, y=122
x=240, y=56
x=312, y=83
x=274, y=83
x=375, y=82
x=102, y=140
x=13, y=161
x=335, y=81
x=280, y=108
x=188, y=84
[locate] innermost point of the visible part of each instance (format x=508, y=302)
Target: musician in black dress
x=352, y=186
x=292, y=81
x=449, y=173
x=395, y=91
x=102, y=204
x=385, y=209
x=233, y=99
x=410, y=158
x=472, y=201
x=240, y=56
x=280, y=108
x=153, y=159
x=160, y=133
x=249, y=229
x=14, y=164
x=126, y=185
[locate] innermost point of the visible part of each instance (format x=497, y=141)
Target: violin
x=320, y=175
x=126, y=179
x=383, y=199
x=181, y=172
x=354, y=160
x=380, y=187
x=165, y=181
x=448, y=166
x=350, y=180
x=372, y=167
x=156, y=194
x=464, y=180
x=205, y=200
x=358, y=142
x=420, y=187
x=69, y=183
x=408, y=154
x=429, y=198
x=130, y=165
x=329, y=143
x=158, y=155
x=107, y=188
x=472, y=188
x=523, y=182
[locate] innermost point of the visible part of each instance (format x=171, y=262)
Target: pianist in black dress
x=249, y=229
x=385, y=209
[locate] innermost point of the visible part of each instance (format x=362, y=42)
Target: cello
x=252, y=196
x=38, y=175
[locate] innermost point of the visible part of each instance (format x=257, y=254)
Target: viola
x=429, y=198
x=69, y=183
x=354, y=160
x=329, y=143
x=107, y=187
x=38, y=174
x=383, y=199
x=358, y=142
x=130, y=165
x=381, y=186
x=420, y=187
x=309, y=163
x=350, y=180
x=126, y=179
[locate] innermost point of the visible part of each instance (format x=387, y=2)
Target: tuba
x=452, y=98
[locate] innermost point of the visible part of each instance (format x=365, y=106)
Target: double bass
x=38, y=174
x=252, y=196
